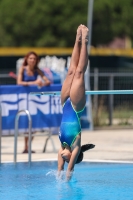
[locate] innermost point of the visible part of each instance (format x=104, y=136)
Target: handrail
x=0, y=130
x=16, y=134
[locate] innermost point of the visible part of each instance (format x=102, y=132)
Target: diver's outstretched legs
x=65, y=92
x=77, y=92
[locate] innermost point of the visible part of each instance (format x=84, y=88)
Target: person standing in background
x=28, y=75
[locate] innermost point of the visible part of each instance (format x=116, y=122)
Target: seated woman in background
x=28, y=75
x=29, y=71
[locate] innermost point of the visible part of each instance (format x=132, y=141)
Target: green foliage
x=112, y=19
x=48, y=23
x=40, y=23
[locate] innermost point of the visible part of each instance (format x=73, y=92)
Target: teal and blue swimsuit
x=70, y=125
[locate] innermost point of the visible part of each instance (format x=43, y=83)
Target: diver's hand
x=69, y=175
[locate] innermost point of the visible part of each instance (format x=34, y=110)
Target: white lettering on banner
x=56, y=105
x=32, y=103
x=6, y=103
x=41, y=103
x=22, y=104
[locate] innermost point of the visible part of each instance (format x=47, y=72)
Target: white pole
x=89, y=22
x=89, y=25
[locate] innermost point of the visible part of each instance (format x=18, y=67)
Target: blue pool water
x=91, y=181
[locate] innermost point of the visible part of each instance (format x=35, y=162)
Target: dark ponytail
x=84, y=148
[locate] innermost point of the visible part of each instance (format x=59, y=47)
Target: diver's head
x=66, y=153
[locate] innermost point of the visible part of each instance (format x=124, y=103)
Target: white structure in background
x=55, y=64
x=19, y=63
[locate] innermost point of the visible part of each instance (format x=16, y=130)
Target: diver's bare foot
x=85, y=34
x=79, y=34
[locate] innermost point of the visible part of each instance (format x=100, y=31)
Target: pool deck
x=111, y=145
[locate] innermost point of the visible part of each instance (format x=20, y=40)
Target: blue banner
x=45, y=111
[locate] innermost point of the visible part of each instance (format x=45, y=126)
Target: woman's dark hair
x=27, y=56
x=84, y=148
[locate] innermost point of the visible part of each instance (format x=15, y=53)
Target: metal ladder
x=16, y=134
x=29, y=135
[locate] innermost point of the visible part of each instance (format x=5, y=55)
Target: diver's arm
x=60, y=160
x=72, y=162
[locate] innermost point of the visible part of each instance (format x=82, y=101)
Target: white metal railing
x=16, y=134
